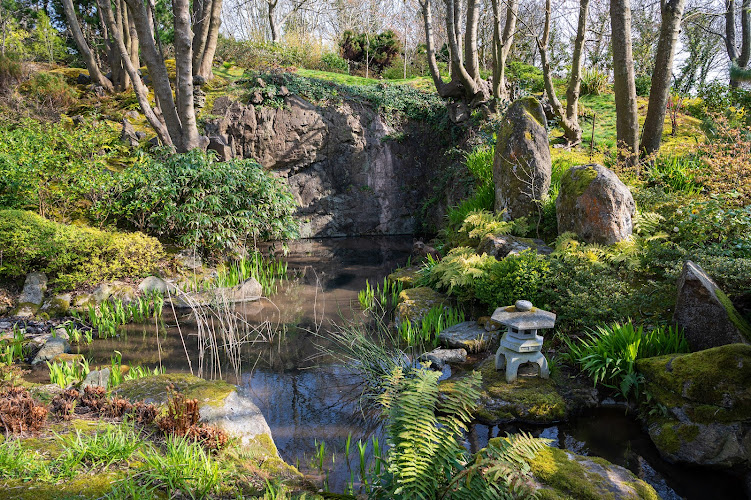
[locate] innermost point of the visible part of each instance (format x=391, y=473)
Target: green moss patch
x=733, y=315
x=154, y=389
x=576, y=180
x=407, y=276
x=712, y=385
x=568, y=476
x=528, y=399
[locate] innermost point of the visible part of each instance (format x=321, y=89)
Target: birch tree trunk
x=659, y=93
x=624, y=83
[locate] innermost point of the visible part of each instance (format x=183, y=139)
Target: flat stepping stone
x=468, y=335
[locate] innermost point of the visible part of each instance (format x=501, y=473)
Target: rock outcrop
x=595, y=204
x=522, y=167
x=705, y=313
x=707, y=400
x=32, y=295
x=351, y=171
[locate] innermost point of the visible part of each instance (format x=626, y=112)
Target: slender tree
x=502, y=41
x=624, y=85
x=569, y=117
x=89, y=59
x=672, y=13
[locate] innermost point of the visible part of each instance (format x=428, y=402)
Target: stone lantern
x=521, y=344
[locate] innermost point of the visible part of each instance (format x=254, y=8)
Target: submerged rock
x=595, y=204
x=503, y=245
x=522, y=167
x=32, y=295
x=706, y=397
x=561, y=474
x=529, y=399
x=705, y=313
x=415, y=303
x=469, y=335
x=220, y=404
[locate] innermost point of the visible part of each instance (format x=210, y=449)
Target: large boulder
x=152, y=284
x=405, y=276
x=441, y=357
x=57, y=306
x=706, y=402
x=503, y=245
x=219, y=403
x=522, y=167
x=705, y=313
x=595, y=204
x=32, y=294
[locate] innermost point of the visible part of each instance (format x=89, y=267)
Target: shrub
x=727, y=156
x=514, y=278
x=594, y=82
x=10, y=73
x=675, y=173
x=71, y=255
x=198, y=201
x=333, y=62
x=19, y=412
x=50, y=89
x=643, y=85
x=379, y=49
x=526, y=76
x=57, y=170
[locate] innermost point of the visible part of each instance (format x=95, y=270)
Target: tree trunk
x=502, y=44
x=83, y=47
x=201, y=9
x=459, y=71
x=444, y=89
x=659, y=93
x=212, y=37
x=624, y=84
x=272, y=21
x=184, y=76
x=470, y=40
x=745, y=54
x=569, y=117
x=142, y=93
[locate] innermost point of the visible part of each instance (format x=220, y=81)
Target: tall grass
x=109, y=316
x=434, y=322
x=479, y=162
x=675, y=173
x=270, y=272
x=64, y=373
x=386, y=295
x=608, y=354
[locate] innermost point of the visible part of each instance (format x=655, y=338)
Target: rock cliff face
x=352, y=172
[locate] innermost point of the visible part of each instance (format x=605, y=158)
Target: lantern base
x=506, y=359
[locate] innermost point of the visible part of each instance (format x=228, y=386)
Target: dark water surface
x=308, y=399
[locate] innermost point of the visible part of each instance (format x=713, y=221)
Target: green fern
x=425, y=432
x=460, y=268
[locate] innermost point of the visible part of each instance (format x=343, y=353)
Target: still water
x=309, y=399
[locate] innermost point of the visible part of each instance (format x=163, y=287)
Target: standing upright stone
x=32, y=295
x=595, y=204
x=705, y=313
x=522, y=167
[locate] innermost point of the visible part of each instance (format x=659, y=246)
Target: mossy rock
x=562, y=475
x=406, y=276
x=83, y=486
x=530, y=400
x=154, y=389
x=705, y=402
x=415, y=303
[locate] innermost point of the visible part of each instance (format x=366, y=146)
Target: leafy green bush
x=333, y=62
x=198, y=201
x=71, y=255
x=527, y=76
x=608, y=354
x=56, y=170
x=50, y=89
x=376, y=49
x=643, y=85
x=479, y=162
x=514, y=278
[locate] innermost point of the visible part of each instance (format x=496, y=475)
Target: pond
x=308, y=399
